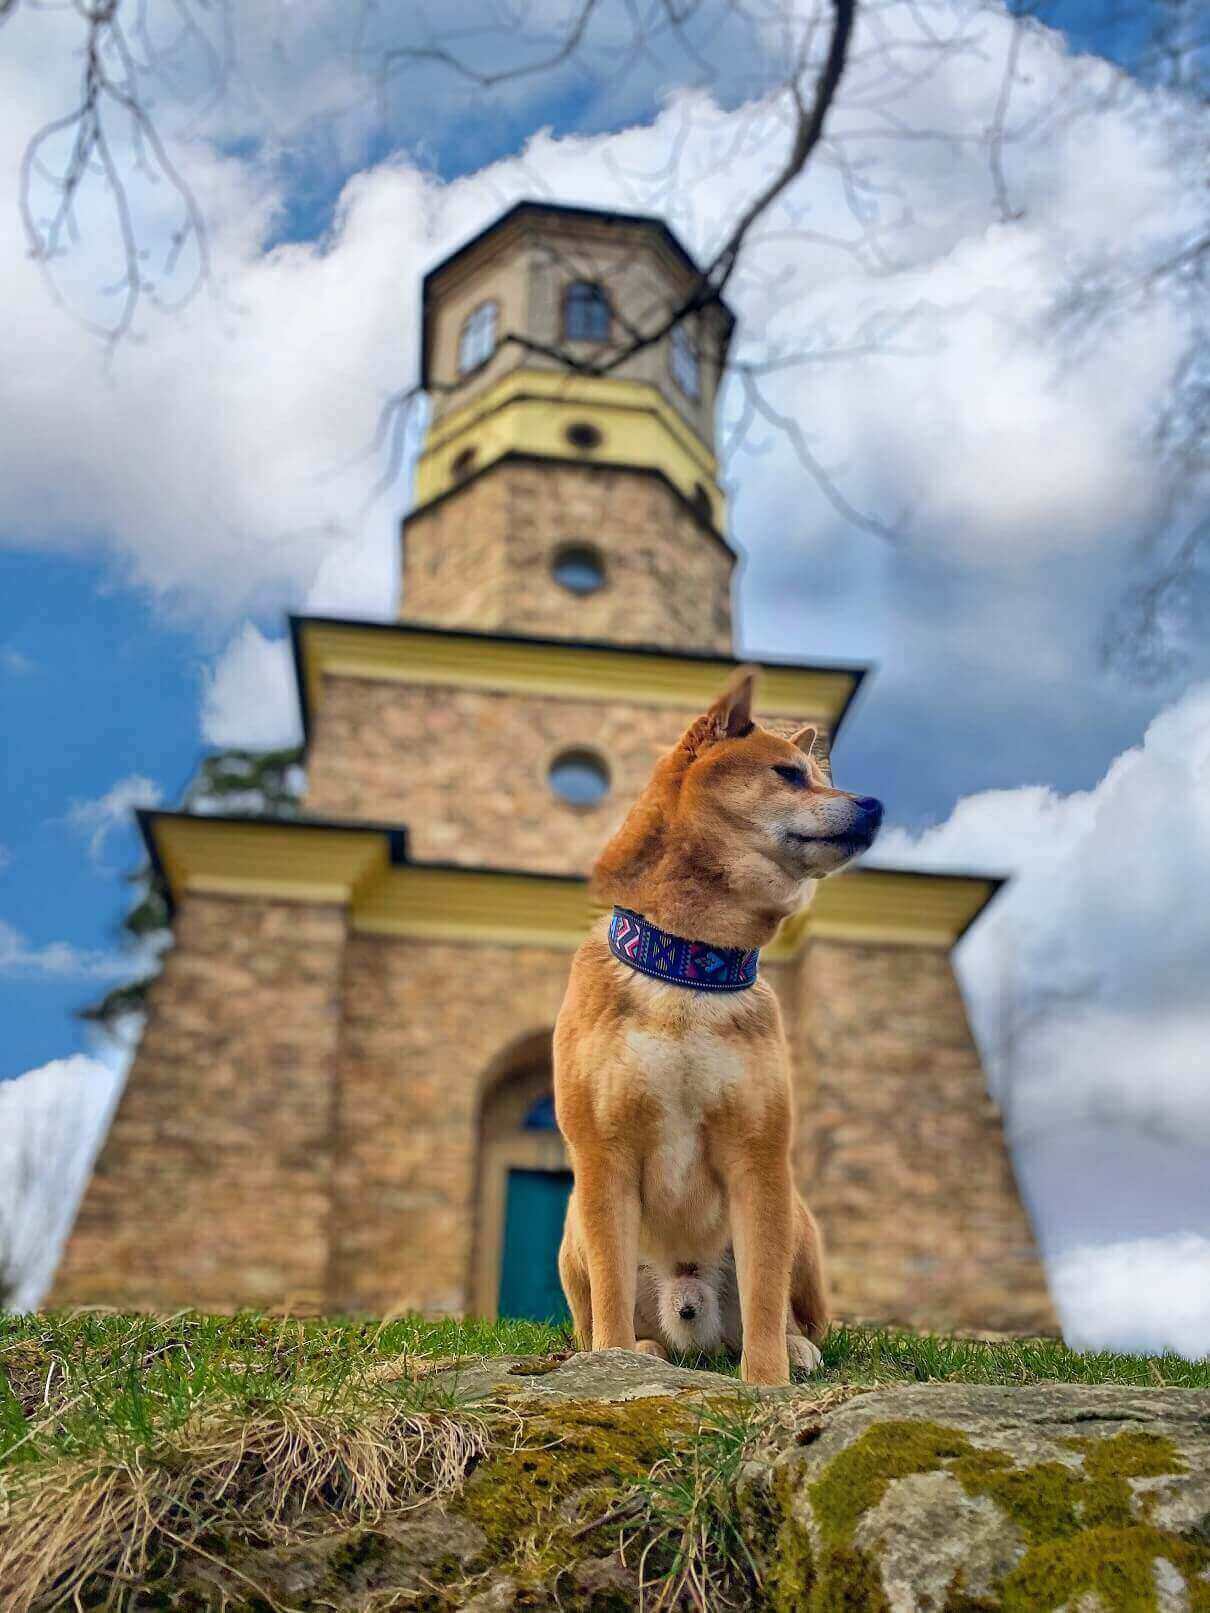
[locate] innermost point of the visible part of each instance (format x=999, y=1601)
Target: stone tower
x=341, y=1099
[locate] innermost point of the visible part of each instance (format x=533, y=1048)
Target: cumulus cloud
x=1100, y=940
x=98, y=819
x=253, y=408
x=1149, y=1295
x=52, y=1122
x=1086, y=983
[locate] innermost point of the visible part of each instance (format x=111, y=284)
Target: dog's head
x=768, y=795
x=734, y=814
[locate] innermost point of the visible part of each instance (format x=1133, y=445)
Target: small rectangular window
x=686, y=371
x=587, y=316
x=477, y=339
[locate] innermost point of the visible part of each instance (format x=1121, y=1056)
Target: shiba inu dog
x=671, y=1069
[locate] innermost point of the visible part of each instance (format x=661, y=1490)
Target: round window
x=579, y=777
x=578, y=568
x=583, y=434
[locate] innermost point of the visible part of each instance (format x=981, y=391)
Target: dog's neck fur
x=685, y=876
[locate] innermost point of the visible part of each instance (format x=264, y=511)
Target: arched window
x=540, y=1116
x=683, y=361
x=477, y=340
x=587, y=316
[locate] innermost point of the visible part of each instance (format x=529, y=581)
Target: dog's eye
x=796, y=777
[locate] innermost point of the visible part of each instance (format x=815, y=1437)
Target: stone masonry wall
x=903, y=1155
x=466, y=769
x=425, y=1027
x=481, y=558
x=213, y=1187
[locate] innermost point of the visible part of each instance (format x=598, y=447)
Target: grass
x=125, y=1438
x=79, y=1382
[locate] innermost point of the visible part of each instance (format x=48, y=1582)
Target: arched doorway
x=523, y=1184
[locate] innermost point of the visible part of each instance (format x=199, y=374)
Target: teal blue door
x=533, y=1225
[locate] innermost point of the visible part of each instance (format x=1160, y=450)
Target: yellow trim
x=562, y=671
x=880, y=904
x=440, y=904
x=350, y=866
x=528, y=411
x=273, y=860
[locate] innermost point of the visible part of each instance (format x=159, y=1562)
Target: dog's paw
x=652, y=1347
x=804, y=1357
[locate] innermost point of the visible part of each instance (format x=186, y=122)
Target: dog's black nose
x=872, y=808
x=687, y=1313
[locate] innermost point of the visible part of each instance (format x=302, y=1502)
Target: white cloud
x=250, y=698
x=1086, y=983
x=52, y=1122
x=56, y=960
x=1148, y=1295
x=98, y=819
x=1101, y=932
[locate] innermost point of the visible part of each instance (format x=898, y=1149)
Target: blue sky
x=95, y=688
x=161, y=510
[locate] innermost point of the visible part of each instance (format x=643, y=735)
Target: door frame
x=528, y=1151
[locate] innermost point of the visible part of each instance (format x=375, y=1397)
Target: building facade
x=341, y=1099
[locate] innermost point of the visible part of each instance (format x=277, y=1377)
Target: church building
x=342, y=1097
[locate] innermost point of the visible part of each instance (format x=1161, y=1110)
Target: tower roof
x=555, y=211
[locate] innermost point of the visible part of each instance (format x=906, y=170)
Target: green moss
x=1115, y=1563
x=536, y=1366
x=848, y=1582
x=790, y=1572
x=1043, y=1500
x=1079, y=1523
x=857, y=1479
x=589, y=1450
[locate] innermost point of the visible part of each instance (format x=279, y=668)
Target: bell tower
x=341, y=1099
x=568, y=487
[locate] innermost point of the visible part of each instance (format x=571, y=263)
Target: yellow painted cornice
x=562, y=386
x=365, y=870
x=529, y=411
x=287, y=859
x=402, y=653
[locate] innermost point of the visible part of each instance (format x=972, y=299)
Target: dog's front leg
x=608, y=1201
x=761, y=1204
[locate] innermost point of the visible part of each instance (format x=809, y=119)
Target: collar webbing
x=697, y=965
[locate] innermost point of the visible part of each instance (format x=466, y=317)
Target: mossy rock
x=953, y=1498
x=935, y=1498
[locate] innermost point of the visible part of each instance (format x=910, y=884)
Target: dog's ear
x=730, y=717
x=732, y=711
x=805, y=738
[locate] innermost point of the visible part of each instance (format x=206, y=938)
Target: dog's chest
x=688, y=1076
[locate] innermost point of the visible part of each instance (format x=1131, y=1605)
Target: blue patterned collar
x=694, y=964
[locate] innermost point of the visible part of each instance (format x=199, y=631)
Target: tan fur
x=675, y=1104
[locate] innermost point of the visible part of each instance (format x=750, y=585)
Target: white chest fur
x=688, y=1074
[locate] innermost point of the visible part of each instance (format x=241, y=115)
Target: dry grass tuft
x=108, y=1518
